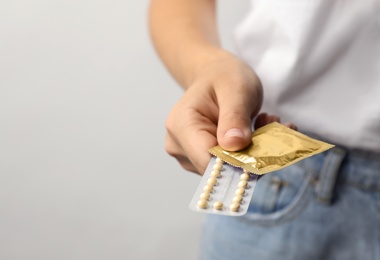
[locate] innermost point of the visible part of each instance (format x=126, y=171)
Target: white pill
x=237, y=198
x=218, y=205
x=211, y=181
x=202, y=203
x=215, y=174
x=208, y=188
x=242, y=184
x=217, y=167
x=235, y=207
x=239, y=191
x=205, y=195
x=244, y=176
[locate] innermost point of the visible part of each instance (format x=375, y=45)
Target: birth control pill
x=211, y=181
x=205, y=195
x=208, y=188
x=215, y=174
x=239, y=191
x=244, y=176
x=219, y=191
x=235, y=207
x=218, y=205
x=237, y=198
x=242, y=184
x=202, y=203
x=217, y=167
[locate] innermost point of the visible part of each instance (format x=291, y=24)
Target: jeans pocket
x=280, y=196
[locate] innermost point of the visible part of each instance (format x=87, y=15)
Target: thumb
x=234, y=124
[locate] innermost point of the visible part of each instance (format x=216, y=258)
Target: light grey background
x=83, y=101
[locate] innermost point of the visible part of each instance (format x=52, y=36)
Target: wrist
x=197, y=60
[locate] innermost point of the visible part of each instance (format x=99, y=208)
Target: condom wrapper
x=274, y=147
x=228, y=184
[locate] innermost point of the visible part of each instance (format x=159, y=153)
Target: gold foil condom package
x=228, y=184
x=273, y=147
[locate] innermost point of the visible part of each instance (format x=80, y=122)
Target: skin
x=222, y=93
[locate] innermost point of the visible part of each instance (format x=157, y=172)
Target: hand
x=217, y=108
x=264, y=119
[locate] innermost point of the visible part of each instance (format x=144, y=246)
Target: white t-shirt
x=319, y=62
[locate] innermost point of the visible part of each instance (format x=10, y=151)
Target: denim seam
x=324, y=185
x=292, y=214
x=309, y=170
x=288, y=213
x=330, y=175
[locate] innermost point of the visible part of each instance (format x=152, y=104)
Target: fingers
x=291, y=125
x=234, y=130
x=192, y=156
x=263, y=119
x=177, y=152
x=235, y=120
x=216, y=109
x=189, y=135
x=196, y=148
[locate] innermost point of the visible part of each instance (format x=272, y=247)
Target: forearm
x=185, y=35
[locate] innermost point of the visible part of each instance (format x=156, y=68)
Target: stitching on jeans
x=322, y=189
x=309, y=170
x=290, y=212
x=330, y=183
x=330, y=173
x=295, y=211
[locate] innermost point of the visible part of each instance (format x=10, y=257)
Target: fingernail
x=234, y=132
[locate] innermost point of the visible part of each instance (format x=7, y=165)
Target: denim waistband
x=344, y=166
x=362, y=169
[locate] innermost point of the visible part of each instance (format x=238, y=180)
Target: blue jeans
x=324, y=207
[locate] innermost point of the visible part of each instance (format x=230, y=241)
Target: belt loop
x=329, y=174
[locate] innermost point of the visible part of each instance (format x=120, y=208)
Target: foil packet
x=228, y=183
x=274, y=146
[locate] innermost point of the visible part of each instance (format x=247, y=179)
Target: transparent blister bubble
x=224, y=189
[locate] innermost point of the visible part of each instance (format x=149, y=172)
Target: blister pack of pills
x=227, y=185
x=224, y=189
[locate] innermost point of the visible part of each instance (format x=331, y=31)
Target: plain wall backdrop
x=83, y=102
